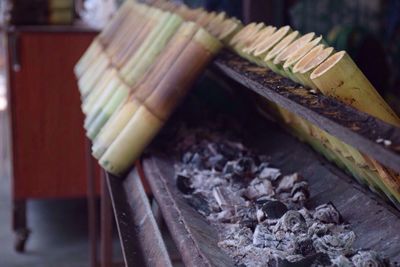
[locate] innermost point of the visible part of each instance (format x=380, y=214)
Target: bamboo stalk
x=241, y=34
x=150, y=117
x=249, y=48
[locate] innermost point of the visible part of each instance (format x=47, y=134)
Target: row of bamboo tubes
x=308, y=60
x=138, y=69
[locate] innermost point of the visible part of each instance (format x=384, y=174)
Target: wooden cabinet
x=48, y=140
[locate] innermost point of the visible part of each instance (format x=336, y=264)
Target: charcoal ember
x=229, y=167
x=304, y=245
x=271, y=174
x=292, y=221
x=327, y=213
x=263, y=237
x=224, y=216
x=368, y=259
x=199, y=202
x=226, y=198
x=184, y=184
x=342, y=261
x=186, y=158
x=196, y=160
x=335, y=245
x=259, y=188
x=235, y=236
x=271, y=209
x=245, y=166
x=300, y=192
x=287, y=182
x=216, y=162
x=317, y=230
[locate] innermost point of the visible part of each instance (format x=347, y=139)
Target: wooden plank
x=194, y=237
x=348, y=124
x=140, y=237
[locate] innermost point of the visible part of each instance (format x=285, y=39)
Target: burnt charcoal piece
x=336, y=245
x=368, y=258
x=259, y=188
x=318, y=259
x=272, y=209
x=229, y=167
x=271, y=174
x=226, y=198
x=216, y=162
x=305, y=246
x=198, y=202
x=245, y=166
x=300, y=192
x=263, y=237
x=292, y=221
x=187, y=157
x=184, y=184
x=197, y=161
x=228, y=151
x=327, y=213
x=287, y=182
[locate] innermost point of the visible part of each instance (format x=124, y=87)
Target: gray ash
x=259, y=212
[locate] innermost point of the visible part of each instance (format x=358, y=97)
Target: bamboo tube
x=277, y=63
x=106, y=94
x=264, y=47
x=150, y=48
x=248, y=38
x=299, y=54
x=122, y=32
x=103, y=38
x=309, y=62
x=88, y=101
x=339, y=77
x=285, y=42
x=107, y=110
x=214, y=26
x=251, y=46
x=229, y=29
x=152, y=77
x=90, y=77
x=92, y=74
x=150, y=117
x=242, y=33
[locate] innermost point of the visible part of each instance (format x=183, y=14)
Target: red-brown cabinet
x=48, y=140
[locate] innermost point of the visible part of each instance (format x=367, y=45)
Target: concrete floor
x=59, y=227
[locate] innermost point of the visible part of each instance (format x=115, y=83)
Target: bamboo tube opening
x=268, y=43
x=262, y=35
x=250, y=36
x=230, y=26
x=282, y=45
x=244, y=31
x=293, y=47
x=315, y=57
x=328, y=64
x=300, y=53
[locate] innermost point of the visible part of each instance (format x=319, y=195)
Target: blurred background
x=43, y=170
